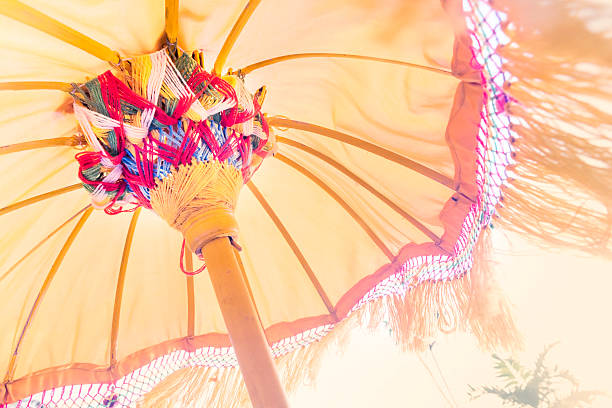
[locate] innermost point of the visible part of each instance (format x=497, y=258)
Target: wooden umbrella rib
x=430, y=234
x=35, y=85
x=27, y=15
x=42, y=241
x=120, y=286
x=39, y=144
x=296, y=250
x=340, y=201
x=190, y=295
x=43, y=290
x=233, y=35
x=38, y=198
x=171, y=29
x=280, y=122
x=289, y=57
x=35, y=185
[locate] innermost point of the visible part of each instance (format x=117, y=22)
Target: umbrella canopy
x=386, y=170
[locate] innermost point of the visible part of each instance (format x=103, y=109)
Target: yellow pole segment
x=294, y=248
x=347, y=207
x=233, y=35
x=42, y=241
x=343, y=169
x=43, y=290
x=245, y=331
x=127, y=247
x=190, y=296
x=280, y=122
x=35, y=85
x=289, y=57
x=38, y=198
x=27, y=15
x=172, y=20
x=39, y=144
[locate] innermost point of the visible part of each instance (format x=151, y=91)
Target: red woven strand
x=186, y=272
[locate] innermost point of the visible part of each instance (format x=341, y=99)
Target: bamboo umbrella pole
x=245, y=331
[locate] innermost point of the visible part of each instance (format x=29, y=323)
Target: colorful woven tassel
x=158, y=114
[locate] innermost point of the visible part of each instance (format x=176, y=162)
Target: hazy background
x=557, y=296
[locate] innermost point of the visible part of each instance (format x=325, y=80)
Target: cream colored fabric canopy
x=405, y=110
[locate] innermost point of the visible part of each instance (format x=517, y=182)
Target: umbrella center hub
x=164, y=134
x=199, y=200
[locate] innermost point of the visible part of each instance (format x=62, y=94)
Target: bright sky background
x=556, y=296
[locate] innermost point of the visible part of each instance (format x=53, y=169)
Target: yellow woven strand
x=195, y=188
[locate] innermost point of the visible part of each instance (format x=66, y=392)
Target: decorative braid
x=158, y=116
x=199, y=196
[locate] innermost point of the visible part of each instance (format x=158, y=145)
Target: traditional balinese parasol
x=374, y=140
